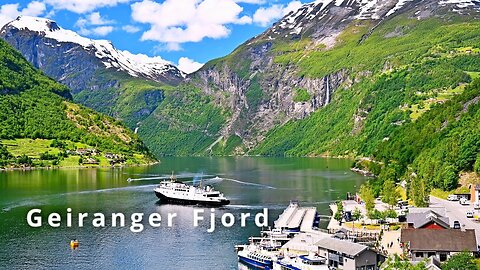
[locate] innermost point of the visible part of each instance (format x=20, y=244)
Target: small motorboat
x=74, y=244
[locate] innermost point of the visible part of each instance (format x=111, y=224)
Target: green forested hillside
x=185, y=123
x=129, y=99
x=413, y=105
x=34, y=106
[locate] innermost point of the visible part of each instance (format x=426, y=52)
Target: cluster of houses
x=338, y=253
x=421, y=235
x=428, y=235
x=425, y=235
x=89, y=156
x=336, y=250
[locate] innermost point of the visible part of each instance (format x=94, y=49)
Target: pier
x=296, y=218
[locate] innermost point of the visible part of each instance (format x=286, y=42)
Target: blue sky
x=189, y=32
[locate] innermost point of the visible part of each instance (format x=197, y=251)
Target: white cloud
x=34, y=8
x=167, y=47
x=145, y=59
x=244, y=20
x=266, y=16
x=94, y=24
x=83, y=6
x=174, y=22
x=93, y=19
x=131, y=28
x=99, y=31
x=9, y=12
x=188, y=66
x=96, y=19
x=102, y=30
x=257, y=2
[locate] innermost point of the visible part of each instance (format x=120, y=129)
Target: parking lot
x=456, y=211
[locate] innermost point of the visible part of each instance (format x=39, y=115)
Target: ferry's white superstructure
x=178, y=192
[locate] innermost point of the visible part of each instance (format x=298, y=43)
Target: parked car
x=402, y=203
x=464, y=201
x=456, y=225
x=469, y=214
x=476, y=205
x=348, y=216
x=452, y=197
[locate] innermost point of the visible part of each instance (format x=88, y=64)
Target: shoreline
x=11, y=169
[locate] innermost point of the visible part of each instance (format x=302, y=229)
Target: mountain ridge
x=137, y=65
x=356, y=80
x=93, y=70
x=38, y=112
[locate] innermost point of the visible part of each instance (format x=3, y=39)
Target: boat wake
x=25, y=203
x=249, y=183
x=255, y=207
x=165, y=177
x=41, y=200
x=106, y=190
x=209, y=181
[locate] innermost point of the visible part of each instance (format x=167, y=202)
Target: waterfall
x=327, y=98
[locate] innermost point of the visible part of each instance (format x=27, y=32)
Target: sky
x=187, y=33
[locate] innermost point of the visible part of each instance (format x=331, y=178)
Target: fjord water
x=252, y=183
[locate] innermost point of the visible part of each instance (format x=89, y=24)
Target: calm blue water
x=253, y=183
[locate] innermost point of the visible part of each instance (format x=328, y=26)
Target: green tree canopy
x=460, y=261
x=396, y=263
x=366, y=194
x=390, y=193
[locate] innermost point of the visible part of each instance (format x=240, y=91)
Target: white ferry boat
x=252, y=255
x=177, y=192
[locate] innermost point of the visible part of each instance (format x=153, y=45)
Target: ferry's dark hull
x=164, y=198
x=256, y=264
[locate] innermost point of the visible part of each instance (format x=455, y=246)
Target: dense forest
x=36, y=107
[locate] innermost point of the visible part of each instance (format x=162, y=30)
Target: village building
x=475, y=193
x=304, y=243
x=420, y=244
x=347, y=255
x=428, y=219
x=90, y=161
x=85, y=152
x=431, y=264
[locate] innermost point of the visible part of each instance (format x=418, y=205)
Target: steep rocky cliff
x=318, y=82
x=263, y=84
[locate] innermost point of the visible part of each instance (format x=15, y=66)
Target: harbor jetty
x=296, y=242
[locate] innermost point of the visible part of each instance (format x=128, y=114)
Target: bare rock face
x=261, y=94
x=257, y=92
x=75, y=60
x=273, y=100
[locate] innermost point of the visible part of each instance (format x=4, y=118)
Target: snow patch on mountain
x=368, y=10
x=398, y=6
x=296, y=21
x=461, y=3
x=137, y=65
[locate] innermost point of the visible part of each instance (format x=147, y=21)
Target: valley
x=392, y=85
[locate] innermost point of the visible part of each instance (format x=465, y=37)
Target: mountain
x=115, y=82
x=392, y=81
x=271, y=93
x=40, y=121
